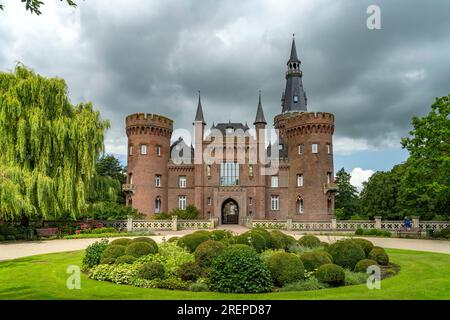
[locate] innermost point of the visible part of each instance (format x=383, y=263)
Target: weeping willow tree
x=48, y=149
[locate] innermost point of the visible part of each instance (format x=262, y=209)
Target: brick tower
x=148, y=157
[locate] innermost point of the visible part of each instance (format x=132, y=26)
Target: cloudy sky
x=152, y=56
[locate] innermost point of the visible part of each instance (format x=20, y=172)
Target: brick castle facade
x=231, y=174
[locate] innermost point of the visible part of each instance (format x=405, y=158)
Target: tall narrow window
x=157, y=204
x=275, y=203
x=250, y=170
x=209, y=201
x=274, y=183
x=300, y=204
x=328, y=177
x=158, y=180
x=182, y=182
x=300, y=180
x=182, y=202
x=250, y=201
x=208, y=170
x=143, y=149
x=314, y=148
x=328, y=148
x=301, y=148
x=158, y=151
x=130, y=178
x=229, y=174
x=130, y=150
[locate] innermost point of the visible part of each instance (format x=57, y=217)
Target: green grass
x=423, y=275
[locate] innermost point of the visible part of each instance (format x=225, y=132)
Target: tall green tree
x=380, y=194
x=425, y=189
x=49, y=148
x=110, y=169
x=34, y=6
x=347, y=196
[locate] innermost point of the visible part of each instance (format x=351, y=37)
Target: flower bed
x=204, y=261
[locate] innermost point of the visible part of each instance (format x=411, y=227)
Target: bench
x=411, y=233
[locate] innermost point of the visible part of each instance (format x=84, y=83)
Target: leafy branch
x=35, y=5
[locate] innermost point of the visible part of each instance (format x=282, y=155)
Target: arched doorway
x=230, y=212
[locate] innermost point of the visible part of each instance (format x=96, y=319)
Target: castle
x=231, y=174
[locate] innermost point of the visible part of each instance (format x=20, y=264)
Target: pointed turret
x=260, y=113
x=199, y=115
x=294, y=97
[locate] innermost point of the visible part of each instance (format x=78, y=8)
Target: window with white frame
x=314, y=148
x=229, y=174
x=301, y=148
x=158, y=151
x=157, y=204
x=275, y=203
x=182, y=202
x=130, y=150
x=143, y=149
x=182, y=181
x=158, y=180
x=300, y=180
x=274, y=183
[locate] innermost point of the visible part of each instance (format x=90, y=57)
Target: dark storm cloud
x=153, y=57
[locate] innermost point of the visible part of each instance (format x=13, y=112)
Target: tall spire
x=199, y=114
x=294, y=97
x=260, y=113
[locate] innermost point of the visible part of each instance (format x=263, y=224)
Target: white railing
x=434, y=225
x=148, y=225
x=195, y=224
x=268, y=224
x=312, y=226
x=145, y=225
x=353, y=225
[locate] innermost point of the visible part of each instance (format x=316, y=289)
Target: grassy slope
x=423, y=276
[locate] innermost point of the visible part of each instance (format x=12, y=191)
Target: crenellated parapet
x=300, y=123
x=148, y=123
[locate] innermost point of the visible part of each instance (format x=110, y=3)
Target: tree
x=35, y=5
x=111, y=172
x=49, y=148
x=380, y=193
x=347, y=195
x=425, y=188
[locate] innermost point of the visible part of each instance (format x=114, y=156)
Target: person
x=407, y=223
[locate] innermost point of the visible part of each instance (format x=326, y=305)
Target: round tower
x=148, y=157
x=309, y=139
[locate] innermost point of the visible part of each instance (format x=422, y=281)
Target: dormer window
x=295, y=99
x=229, y=130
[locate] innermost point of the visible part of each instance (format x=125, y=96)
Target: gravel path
x=30, y=248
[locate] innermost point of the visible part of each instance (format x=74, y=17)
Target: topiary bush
x=111, y=253
x=265, y=234
x=151, y=270
x=126, y=259
x=150, y=241
x=346, y=253
x=281, y=240
x=121, y=242
x=198, y=287
x=220, y=235
x=173, y=239
x=207, y=251
x=359, y=232
x=239, y=269
x=379, y=255
x=285, y=268
x=331, y=274
x=363, y=264
x=189, y=271
x=314, y=259
x=139, y=249
x=309, y=241
x=192, y=241
x=252, y=239
x=93, y=253
x=366, y=245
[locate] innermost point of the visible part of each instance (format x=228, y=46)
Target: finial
x=293, y=35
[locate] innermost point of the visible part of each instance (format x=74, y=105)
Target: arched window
x=157, y=204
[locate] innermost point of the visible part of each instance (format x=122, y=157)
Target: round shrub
x=359, y=232
x=108, y=260
x=331, y=274
x=126, y=259
x=192, y=241
x=189, y=271
x=173, y=239
x=198, y=287
x=314, y=259
x=113, y=252
x=362, y=265
x=309, y=241
x=150, y=241
x=252, y=239
x=139, y=249
x=239, y=269
x=121, y=242
x=207, y=251
x=285, y=268
x=93, y=253
x=366, y=245
x=324, y=244
x=265, y=234
x=379, y=255
x=220, y=235
x=151, y=270
x=281, y=240
x=346, y=253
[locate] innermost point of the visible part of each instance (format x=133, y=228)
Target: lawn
x=423, y=275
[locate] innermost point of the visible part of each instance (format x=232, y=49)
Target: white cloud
x=346, y=146
x=359, y=176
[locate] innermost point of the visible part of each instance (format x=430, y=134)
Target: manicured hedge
x=285, y=268
x=93, y=253
x=314, y=259
x=121, y=241
x=331, y=274
x=346, y=253
x=192, y=241
x=151, y=270
x=207, y=251
x=150, y=241
x=253, y=239
x=379, y=255
x=139, y=249
x=362, y=265
x=366, y=245
x=280, y=240
x=309, y=241
x=111, y=253
x=126, y=259
x=189, y=271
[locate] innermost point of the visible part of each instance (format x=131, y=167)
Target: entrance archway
x=230, y=212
